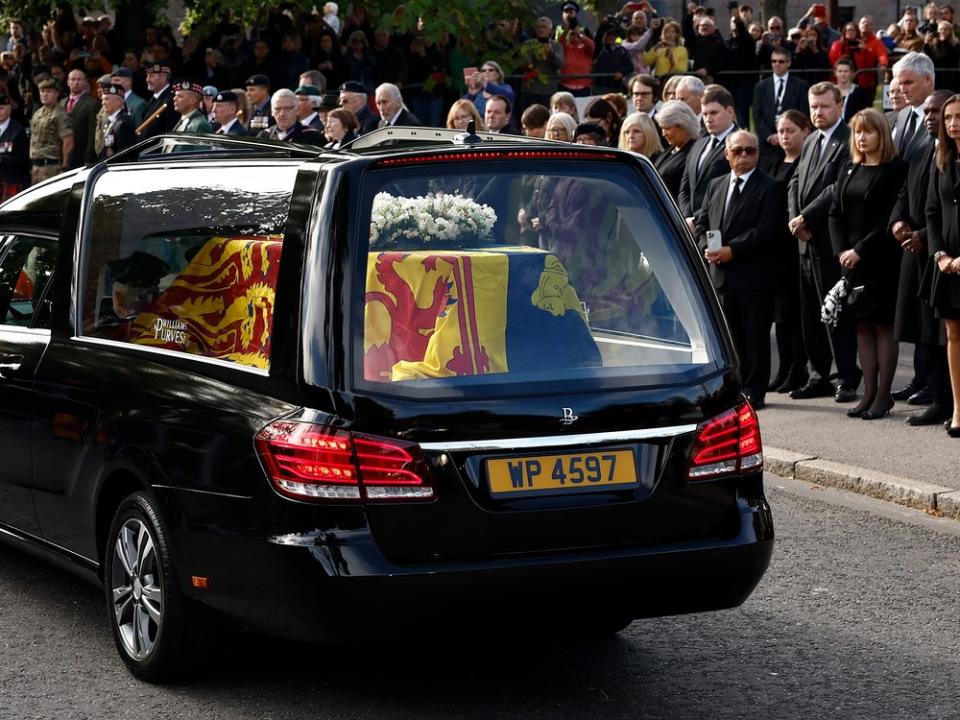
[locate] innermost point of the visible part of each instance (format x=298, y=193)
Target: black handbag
x=846, y=301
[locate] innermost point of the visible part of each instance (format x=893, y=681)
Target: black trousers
x=816, y=278
x=749, y=315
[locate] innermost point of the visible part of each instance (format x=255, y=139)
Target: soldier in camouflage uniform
x=51, y=135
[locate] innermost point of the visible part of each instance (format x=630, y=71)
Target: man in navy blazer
x=808, y=203
x=706, y=160
x=749, y=209
x=771, y=98
x=14, y=152
x=226, y=108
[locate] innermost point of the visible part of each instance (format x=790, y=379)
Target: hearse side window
x=26, y=267
x=483, y=276
x=186, y=259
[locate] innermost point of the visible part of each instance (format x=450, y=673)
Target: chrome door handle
x=9, y=363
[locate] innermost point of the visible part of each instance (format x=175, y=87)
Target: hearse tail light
x=312, y=462
x=726, y=444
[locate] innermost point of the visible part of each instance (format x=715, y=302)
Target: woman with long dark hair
x=868, y=254
x=943, y=239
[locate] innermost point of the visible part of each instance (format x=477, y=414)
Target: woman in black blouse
x=680, y=128
x=943, y=238
x=868, y=254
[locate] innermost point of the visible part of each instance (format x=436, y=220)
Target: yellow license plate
x=562, y=473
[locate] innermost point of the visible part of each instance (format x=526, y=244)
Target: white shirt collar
x=4, y=125
x=393, y=120
x=828, y=133
x=744, y=177
x=161, y=91
x=226, y=127
x=308, y=119
x=723, y=136
x=782, y=77
x=111, y=118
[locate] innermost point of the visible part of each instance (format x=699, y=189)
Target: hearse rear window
x=186, y=259
x=478, y=274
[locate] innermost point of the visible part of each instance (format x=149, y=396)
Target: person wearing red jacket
x=851, y=45
x=577, y=60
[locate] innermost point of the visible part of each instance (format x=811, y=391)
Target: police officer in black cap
x=14, y=152
x=569, y=21
x=118, y=132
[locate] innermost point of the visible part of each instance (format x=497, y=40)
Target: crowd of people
x=792, y=217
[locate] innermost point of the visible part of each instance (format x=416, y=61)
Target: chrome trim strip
x=168, y=353
x=21, y=330
x=205, y=492
x=561, y=440
x=34, y=541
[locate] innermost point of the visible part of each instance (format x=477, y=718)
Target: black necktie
x=711, y=146
x=781, y=82
x=735, y=195
x=909, y=132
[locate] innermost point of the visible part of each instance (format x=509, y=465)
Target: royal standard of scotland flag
x=435, y=313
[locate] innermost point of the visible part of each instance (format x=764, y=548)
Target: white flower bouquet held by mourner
x=449, y=220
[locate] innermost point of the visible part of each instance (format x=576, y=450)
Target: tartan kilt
x=8, y=190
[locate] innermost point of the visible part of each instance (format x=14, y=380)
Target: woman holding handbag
x=868, y=254
x=943, y=239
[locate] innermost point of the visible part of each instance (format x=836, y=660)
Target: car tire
x=151, y=619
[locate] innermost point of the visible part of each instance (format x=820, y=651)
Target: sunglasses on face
x=737, y=151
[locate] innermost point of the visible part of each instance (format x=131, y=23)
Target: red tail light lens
x=727, y=444
x=313, y=462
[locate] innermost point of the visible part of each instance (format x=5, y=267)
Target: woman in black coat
x=680, y=128
x=855, y=98
x=868, y=253
x=943, y=239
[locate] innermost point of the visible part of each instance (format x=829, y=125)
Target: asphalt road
x=857, y=617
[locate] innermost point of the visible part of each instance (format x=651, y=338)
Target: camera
x=927, y=27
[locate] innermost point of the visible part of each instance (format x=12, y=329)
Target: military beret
x=311, y=90
x=210, y=91
x=353, y=86
x=227, y=96
x=48, y=84
x=568, y=5
x=140, y=269
x=189, y=86
x=123, y=72
x=589, y=129
x=114, y=90
x=4, y=99
x=258, y=80
x=158, y=68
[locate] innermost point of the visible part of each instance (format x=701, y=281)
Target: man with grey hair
x=390, y=105
x=915, y=72
x=283, y=106
x=690, y=90
x=738, y=230
x=543, y=55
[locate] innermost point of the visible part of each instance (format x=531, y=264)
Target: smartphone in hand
x=714, y=240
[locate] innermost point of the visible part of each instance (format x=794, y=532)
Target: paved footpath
x=814, y=440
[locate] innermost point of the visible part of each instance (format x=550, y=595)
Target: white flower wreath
x=429, y=219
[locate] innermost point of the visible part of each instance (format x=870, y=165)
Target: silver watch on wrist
x=937, y=255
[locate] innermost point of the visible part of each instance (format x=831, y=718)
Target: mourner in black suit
x=943, y=238
x=82, y=109
x=748, y=208
x=226, y=105
x=861, y=239
x=158, y=82
x=390, y=106
x=915, y=320
x=14, y=152
x=680, y=128
x=706, y=160
x=353, y=96
x=288, y=128
x=119, y=132
x=771, y=98
x=808, y=202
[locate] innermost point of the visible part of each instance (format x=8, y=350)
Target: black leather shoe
x=906, y=391
x=923, y=396
x=813, y=389
x=932, y=415
x=845, y=394
x=757, y=403
x=792, y=383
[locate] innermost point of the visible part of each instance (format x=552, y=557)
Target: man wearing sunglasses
x=740, y=231
x=772, y=97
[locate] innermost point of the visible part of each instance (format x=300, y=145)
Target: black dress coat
x=15, y=155
x=119, y=136
x=406, y=118
x=788, y=259
x=857, y=100
x=671, y=164
x=168, y=118
x=856, y=224
x=297, y=134
x=84, y=120
x=943, y=233
x=915, y=321
x=810, y=191
x=693, y=183
x=766, y=109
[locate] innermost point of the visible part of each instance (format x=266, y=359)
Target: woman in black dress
x=792, y=129
x=680, y=128
x=943, y=239
x=868, y=254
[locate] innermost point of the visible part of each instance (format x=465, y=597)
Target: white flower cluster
x=428, y=219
